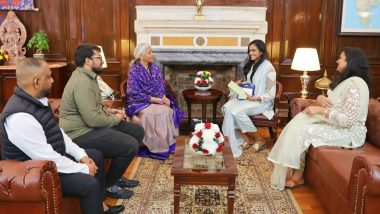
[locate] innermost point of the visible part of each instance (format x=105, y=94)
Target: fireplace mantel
x=174, y=27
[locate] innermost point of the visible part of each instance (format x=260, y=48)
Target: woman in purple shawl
x=149, y=104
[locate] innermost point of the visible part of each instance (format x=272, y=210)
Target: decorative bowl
x=203, y=88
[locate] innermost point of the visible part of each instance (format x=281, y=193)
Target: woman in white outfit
x=338, y=120
x=237, y=126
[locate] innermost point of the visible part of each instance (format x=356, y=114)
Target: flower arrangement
x=3, y=56
x=207, y=139
x=203, y=79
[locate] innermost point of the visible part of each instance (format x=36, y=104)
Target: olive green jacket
x=82, y=108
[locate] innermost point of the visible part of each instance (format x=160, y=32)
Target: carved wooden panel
x=52, y=19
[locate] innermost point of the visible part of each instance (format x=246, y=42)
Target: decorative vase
x=203, y=88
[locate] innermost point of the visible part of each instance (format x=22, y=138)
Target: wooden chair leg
x=273, y=134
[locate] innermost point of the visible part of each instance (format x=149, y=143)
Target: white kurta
x=236, y=112
x=345, y=127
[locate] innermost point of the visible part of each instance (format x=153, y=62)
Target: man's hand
x=113, y=111
x=324, y=101
x=91, y=165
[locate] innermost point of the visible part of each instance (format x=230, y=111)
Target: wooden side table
x=211, y=96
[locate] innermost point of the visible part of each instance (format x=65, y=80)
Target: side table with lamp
x=305, y=59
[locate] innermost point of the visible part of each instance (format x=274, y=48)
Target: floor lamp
x=305, y=59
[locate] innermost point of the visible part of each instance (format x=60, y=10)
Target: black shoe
x=118, y=192
x=114, y=209
x=123, y=182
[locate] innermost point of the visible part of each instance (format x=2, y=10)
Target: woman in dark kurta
x=150, y=105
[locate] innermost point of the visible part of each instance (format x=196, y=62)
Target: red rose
x=208, y=125
x=220, y=148
x=204, y=82
x=199, y=75
x=217, y=135
x=198, y=82
x=195, y=146
x=205, y=151
x=199, y=134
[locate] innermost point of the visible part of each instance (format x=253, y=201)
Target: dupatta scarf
x=144, y=84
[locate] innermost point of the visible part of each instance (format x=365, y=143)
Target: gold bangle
x=326, y=113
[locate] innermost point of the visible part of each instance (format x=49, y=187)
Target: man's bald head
x=27, y=69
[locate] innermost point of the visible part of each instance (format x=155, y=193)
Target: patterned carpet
x=253, y=191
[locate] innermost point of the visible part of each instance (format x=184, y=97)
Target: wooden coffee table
x=189, y=168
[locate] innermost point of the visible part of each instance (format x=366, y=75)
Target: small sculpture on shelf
x=199, y=5
x=13, y=36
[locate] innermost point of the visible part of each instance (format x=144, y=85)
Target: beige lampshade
x=306, y=59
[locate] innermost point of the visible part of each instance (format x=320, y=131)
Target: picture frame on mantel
x=359, y=18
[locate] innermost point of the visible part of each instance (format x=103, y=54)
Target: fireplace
x=183, y=45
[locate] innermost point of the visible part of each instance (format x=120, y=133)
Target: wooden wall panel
x=110, y=23
x=251, y=3
x=51, y=19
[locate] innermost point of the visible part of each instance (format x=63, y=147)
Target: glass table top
x=193, y=160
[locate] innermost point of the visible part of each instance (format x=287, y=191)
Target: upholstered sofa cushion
x=373, y=123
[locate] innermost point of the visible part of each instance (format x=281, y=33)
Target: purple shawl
x=142, y=85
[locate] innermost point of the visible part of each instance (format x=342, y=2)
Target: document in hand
x=240, y=91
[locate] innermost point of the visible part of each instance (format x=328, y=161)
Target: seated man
x=91, y=125
x=29, y=131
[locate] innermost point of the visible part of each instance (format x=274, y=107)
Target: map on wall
x=16, y=5
x=361, y=16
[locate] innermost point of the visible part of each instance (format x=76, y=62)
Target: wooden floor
x=305, y=197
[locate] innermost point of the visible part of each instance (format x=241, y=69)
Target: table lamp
x=323, y=84
x=305, y=59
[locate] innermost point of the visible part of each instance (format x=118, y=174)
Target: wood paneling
x=110, y=23
x=51, y=19
x=251, y=3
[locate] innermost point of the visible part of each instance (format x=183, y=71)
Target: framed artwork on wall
x=17, y=5
x=359, y=17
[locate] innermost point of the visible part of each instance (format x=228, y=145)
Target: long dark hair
x=247, y=67
x=357, y=65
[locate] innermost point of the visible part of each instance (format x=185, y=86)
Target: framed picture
x=359, y=17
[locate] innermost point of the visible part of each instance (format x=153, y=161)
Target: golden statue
x=199, y=15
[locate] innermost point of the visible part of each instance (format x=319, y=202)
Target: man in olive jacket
x=92, y=125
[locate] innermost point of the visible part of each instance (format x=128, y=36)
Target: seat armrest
x=31, y=181
x=299, y=104
x=364, y=182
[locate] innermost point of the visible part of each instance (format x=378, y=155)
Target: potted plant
x=40, y=43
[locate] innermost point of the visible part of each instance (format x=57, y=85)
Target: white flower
x=198, y=127
x=211, y=79
x=197, y=79
x=215, y=128
x=199, y=73
x=194, y=139
x=210, y=146
x=208, y=136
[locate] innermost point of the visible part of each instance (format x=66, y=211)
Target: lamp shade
x=306, y=59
